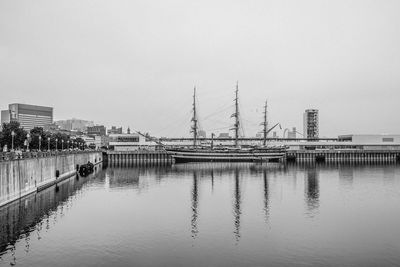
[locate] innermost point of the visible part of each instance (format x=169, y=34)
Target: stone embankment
x=23, y=174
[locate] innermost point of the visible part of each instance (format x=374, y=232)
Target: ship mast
x=194, y=119
x=236, y=115
x=265, y=124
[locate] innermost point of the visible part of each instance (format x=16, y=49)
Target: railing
x=6, y=156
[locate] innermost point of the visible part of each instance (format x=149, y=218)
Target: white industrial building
x=130, y=142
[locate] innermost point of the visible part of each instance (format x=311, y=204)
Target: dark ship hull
x=181, y=155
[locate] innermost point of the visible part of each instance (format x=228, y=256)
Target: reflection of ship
x=227, y=154
x=219, y=168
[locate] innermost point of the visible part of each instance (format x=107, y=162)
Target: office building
x=5, y=117
x=311, y=123
x=223, y=135
x=202, y=133
x=74, y=124
x=114, y=130
x=29, y=116
x=96, y=130
x=292, y=134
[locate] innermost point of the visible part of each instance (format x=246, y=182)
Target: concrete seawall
x=21, y=177
x=138, y=157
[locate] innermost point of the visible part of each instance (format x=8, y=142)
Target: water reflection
x=312, y=191
x=194, y=194
x=212, y=181
x=36, y=213
x=389, y=175
x=346, y=176
x=201, y=170
x=123, y=178
x=230, y=213
x=266, y=195
x=236, y=207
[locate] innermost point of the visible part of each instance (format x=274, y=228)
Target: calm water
x=210, y=215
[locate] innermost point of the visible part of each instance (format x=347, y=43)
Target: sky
x=135, y=63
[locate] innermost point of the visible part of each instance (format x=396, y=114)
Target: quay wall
x=22, y=176
x=360, y=156
x=138, y=157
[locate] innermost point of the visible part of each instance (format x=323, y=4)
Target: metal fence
x=6, y=156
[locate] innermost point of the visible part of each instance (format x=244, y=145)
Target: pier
x=360, y=156
x=138, y=157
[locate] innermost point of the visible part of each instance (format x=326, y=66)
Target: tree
x=34, y=141
x=80, y=141
x=19, y=138
x=62, y=140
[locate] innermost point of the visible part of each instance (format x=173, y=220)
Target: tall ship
x=233, y=153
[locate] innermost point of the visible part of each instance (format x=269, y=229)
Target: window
x=388, y=139
x=128, y=138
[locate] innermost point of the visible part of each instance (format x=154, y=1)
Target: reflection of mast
x=237, y=211
x=266, y=199
x=212, y=180
x=194, y=206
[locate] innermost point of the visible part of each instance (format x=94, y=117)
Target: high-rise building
x=29, y=116
x=311, y=123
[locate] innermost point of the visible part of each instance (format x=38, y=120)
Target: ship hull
x=192, y=155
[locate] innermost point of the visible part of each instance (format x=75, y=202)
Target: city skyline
x=298, y=56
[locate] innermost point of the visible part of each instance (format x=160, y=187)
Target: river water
x=210, y=215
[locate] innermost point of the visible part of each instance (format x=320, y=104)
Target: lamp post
x=40, y=142
x=28, y=136
x=56, y=143
x=62, y=144
x=48, y=143
x=12, y=140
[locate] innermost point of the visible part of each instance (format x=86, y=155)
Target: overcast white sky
x=134, y=63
